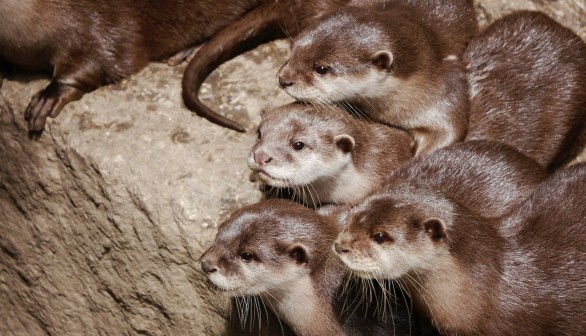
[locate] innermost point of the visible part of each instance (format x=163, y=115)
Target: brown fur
x=527, y=77
x=398, y=66
x=522, y=274
x=87, y=44
x=487, y=177
x=292, y=241
x=344, y=157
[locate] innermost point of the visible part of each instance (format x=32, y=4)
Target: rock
x=103, y=220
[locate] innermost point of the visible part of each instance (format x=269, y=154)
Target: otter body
x=527, y=76
x=521, y=274
x=280, y=251
x=87, y=44
x=324, y=155
x=399, y=65
x=487, y=177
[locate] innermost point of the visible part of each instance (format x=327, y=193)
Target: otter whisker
x=273, y=309
x=318, y=204
x=408, y=303
x=285, y=31
x=418, y=287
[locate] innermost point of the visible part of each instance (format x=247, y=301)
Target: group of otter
x=427, y=161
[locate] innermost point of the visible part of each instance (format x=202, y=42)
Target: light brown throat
x=448, y=298
x=304, y=309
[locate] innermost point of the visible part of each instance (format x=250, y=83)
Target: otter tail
x=263, y=24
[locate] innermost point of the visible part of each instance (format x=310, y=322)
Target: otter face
x=386, y=239
x=248, y=258
x=298, y=146
x=340, y=59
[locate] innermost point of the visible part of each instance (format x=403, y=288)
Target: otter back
x=527, y=77
x=487, y=177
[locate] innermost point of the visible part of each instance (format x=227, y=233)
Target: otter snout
x=208, y=267
x=340, y=249
x=262, y=158
x=284, y=78
x=284, y=82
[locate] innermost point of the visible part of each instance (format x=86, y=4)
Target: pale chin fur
x=256, y=280
x=247, y=282
x=311, y=169
x=380, y=265
x=224, y=283
x=374, y=84
x=268, y=180
x=373, y=270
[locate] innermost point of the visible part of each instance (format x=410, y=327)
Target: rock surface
x=102, y=220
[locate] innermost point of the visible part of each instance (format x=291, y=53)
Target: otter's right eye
x=298, y=146
x=322, y=70
x=247, y=256
x=381, y=237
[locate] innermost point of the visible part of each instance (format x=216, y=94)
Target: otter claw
x=48, y=103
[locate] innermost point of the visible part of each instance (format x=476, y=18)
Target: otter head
x=342, y=58
x=299, y=144
x=265, y=248
x=393, y=233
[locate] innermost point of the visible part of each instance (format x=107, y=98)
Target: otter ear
x=382, y=59
x=298, y=253
x=435, y=229
x=344, y=142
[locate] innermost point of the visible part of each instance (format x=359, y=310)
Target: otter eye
x=322, y=70
x=381, y=237
x=298, y=146
x=247, y=256
x=258, y=134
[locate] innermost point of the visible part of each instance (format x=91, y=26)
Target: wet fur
x=527, y=77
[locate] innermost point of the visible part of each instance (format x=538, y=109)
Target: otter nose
x=208, y=268
x=262, y=158
x=339, y=248
x=283, y=83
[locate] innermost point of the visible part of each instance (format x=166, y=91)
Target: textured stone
x=102, y=220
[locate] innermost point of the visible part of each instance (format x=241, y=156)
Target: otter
x=279, y=251
x=399, y=66
x=527, y=76
x=87, y=44
x=487, y=177
x=323, y=154
x=521, y=274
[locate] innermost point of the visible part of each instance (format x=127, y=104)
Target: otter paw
x=48, y=103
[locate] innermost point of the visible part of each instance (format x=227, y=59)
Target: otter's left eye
x=298, y=146
x=322, y=70
x=381, y=237
x=247, y=256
